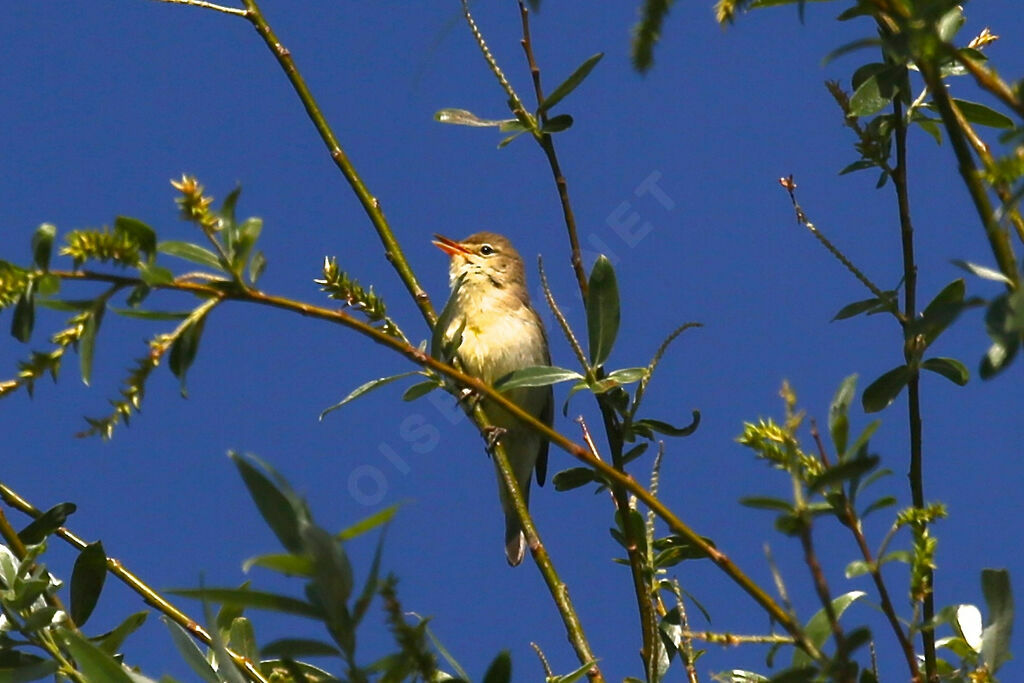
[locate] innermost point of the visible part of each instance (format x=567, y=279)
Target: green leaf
x=940, y=312
x=370, y=523
x=874, y=92
x=366, y=388
x=154, y=275
x=184, y=350
x=151, y=315
x=242, y=639
x=885, y=389
x=858, y=166
x=462, y=117
x=253, y=599
x=767, y=503
x=950, y=23
x=883, y=502
x=257, y=264
x=982, y=271
x=282, y=563
x=571, y=83
x=281, y=512
x=87, y=344
x=332, y=582
x=857, y=568
x=141, y=234
x=24, y=316
x=42, y=245
x=44, y=525
x=372, y=584
x=556, y=124
x=995, y=638
x=535, y=376
x=602, y=310
x=248, y=232
x=869, y=306
x=444, y=320
x=500, y=670
x=573, y=478
x=420, y=389
x=982, y=115
x=191, y=252
x=838, y=414
x=18, y=667
x=87, y=579
x=190, y=652
x=950, y=368
x=575, y=675
x=96, y=664
x=667, y=429
x=293, y=648
x=850, y=468
x=819, y=629
x=111, y=641
x=627, y=375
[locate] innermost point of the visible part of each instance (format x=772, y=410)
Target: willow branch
x=987, y=79
x=581, y=453
x=548, y=145
x=149, y=595
x=998, y=238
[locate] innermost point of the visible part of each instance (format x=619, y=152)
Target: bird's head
x=485, y=260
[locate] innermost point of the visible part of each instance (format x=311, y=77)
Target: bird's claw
x=493, y=434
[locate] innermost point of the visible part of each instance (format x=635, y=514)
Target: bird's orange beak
x=449, y=246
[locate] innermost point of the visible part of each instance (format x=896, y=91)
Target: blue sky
x=101, y=103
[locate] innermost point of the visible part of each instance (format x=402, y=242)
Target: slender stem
x=998, y=237
x=912, y=353
x=150, y=596
x=821, y=588
x=641, y=589
x=207, y=5
x=581, y=453
x=559, y=591
x=548, y=145
x=370, y=203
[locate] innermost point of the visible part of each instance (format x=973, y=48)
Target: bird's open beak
x=449, y=246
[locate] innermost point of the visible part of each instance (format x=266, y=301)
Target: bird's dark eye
x=487, y=250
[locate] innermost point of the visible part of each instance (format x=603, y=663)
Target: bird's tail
x=515, y=540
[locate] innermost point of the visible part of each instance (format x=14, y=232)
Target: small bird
x=502, y=334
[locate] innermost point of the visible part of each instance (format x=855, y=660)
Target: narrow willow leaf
x=112, y=641
x=282, y=563
x=667, y=429
x=44, y=525
x=366, y=388
x=995, y=648
x=575, y=675
x=242, y=638
x=602, y=310
x=141, y=234
x=885, y=389
x=24, y=318
x=556, y=124
x=500, y=670
x=848, y=469
x=370, y=523
x=253, y=599
x=420, y=389
x=462, y=117
x=983, y=116
x=87, y=344
x=190, y=652
x=982, y=271
x=184, y=350
x=627, y=375
x=93, y=662
x=279, y=511
x=42, y=245
x=154, y=275
x=571, y=83
x=536, y=376
x=191, y=252
x=573, y=478
x=294, y=648
x=87, y=579
x=766, y=503
x=870, y=98
x=819, y=629
x=950, y=368
x=151, y=315
x=838, y=414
